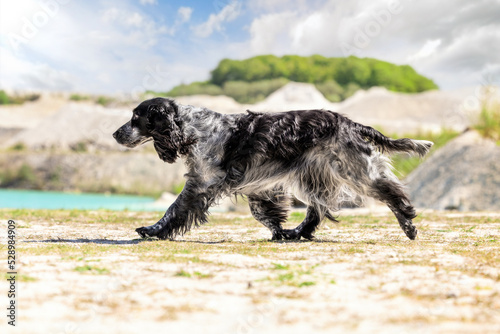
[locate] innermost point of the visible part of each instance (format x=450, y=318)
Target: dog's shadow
x=215, y=242
x=90, y=241
x=118, y=242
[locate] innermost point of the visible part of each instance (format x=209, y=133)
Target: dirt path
x=85, y=272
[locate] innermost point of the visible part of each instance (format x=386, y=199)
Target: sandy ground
x=86, y=272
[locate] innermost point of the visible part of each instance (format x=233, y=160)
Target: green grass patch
x=286, y=277
x=296, y=217
x=182, y=273
x=88, y=269
x=307, y=283
x=198, y=274
x=279, y=266
x=21, y=278
x=292, y=275
x=488, y=124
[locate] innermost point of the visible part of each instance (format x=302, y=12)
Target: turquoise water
x=32, y=199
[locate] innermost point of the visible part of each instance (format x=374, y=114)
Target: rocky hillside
x=135, y=173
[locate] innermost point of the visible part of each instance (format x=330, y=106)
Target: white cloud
x=185, y=13
x=112, y=46
x=110, y=15
x=134, y=20
x=183, y=16
x=270, y=33
x=18, y=73
x=428, y=49
x=428, y=35
x=215, y=21
x=276, y=6
x=471, y=58
x=77, y=49
x=302, y=32
x=148, y=2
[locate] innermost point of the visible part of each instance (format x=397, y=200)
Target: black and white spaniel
x=321, y=157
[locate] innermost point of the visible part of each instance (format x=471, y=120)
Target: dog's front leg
x=190, y=207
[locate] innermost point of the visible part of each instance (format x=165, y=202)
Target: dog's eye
x=135, y=117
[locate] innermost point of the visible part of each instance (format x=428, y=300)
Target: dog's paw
x=291, y=234
x=145, y=232
x=277, y=235
x=154, y=231
x=306, y=235
x=410, y=231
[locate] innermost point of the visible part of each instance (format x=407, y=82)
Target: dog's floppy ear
x=166, y=129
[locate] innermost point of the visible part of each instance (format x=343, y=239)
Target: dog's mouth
x=128, y=140
x=137, y=142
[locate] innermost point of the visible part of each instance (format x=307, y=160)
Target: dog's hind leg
x=391, y=193
x=372, y=176
x=271, y=212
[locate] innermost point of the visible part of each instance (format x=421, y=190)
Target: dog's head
x=156, y=119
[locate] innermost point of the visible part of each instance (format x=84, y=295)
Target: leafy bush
x=241, y=91
x=253, y=79
x=80, y=147
x=4, y=98
x=26, y=174
x=195, y=88
x=331, y=90
x=17, y=99
x=335, y=92
x=104, y=100
x=23, y=177
x=366, y=72
x=78, y=97
x=488, y=124
x=18, y=147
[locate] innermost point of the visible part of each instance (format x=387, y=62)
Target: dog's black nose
x=115, y=134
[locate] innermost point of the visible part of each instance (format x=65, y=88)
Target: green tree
x=338, y=78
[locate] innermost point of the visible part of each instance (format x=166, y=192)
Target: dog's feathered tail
x=420, y=147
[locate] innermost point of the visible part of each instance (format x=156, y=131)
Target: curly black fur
x=324, y=157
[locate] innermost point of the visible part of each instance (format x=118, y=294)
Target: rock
x=463, y=175
x=403, y=113
x=295, y=96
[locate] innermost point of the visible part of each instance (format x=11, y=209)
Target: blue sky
x=112, y=46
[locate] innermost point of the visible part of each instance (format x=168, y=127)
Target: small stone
x=451, y=294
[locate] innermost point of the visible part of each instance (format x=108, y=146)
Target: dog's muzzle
x=129, y=136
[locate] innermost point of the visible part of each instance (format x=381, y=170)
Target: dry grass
x=88, y=270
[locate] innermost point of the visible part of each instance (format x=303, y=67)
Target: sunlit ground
x=87, y=271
